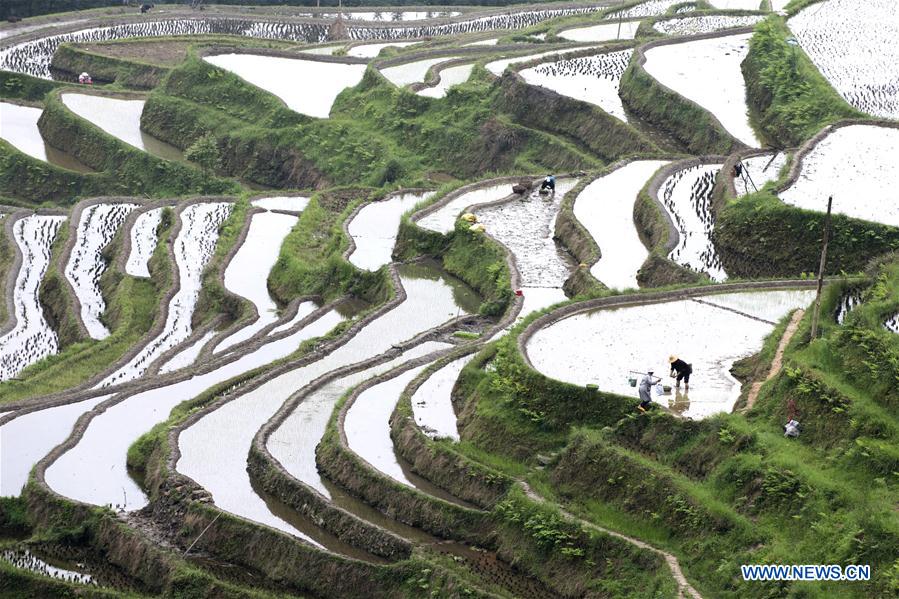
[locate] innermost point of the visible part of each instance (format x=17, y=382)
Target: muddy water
x=448, y=78
x=289, y=203
x=606, y=208
x=31, y=339
x=99, y=224
x=143, y=243
x=526, y=226
x=600, y=347
x=432, y=401
x=293, y=443
x=444, y=219
x=375, y=227
x=306, y=86
x=28, y=438
x=188, y=355
x=20, y=129
x=602, y=33
x=367, y=424
x=858, y=166
x=221, y=468
x=687, y=197
x=121, y=119
x=412, y=72
x=247, y=273
x=193, y=248
x=94, y=471
x=758, y=171
x=708, y=72
x=372, y=50
x=593, y=79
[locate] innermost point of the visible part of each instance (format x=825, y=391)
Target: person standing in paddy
x=681, y=370
x=645, y=390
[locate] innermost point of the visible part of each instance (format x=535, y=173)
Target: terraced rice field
x=708, y=72
x=30, y=338
x=193, y=249
x=99, y=224
x=449, y=77
x=20, y=129
x=602, y=346
x=121, y=119
x=852, y=44
x=593, y=79
x=606, y=208
x=279, y=75
x=687, y=198
x=375, y=227
x=624, y=30
x=856, y=165
x=323, y=420
x=705, y=24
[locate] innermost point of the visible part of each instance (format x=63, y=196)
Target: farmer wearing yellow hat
x=681, y=370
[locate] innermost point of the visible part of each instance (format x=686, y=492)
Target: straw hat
x=672, y=358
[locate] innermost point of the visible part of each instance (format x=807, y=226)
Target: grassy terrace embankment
x=789, y=98
x=727, y=490
x=132, y=307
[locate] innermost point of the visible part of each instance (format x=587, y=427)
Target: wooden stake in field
x=817, y=311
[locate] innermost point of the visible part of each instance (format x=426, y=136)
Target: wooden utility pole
x=817, y=311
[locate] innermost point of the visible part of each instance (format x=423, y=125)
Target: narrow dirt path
x=777, y=362
x=684, y=589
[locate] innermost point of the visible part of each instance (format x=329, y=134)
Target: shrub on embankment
x=789, y=97
x=760, y=236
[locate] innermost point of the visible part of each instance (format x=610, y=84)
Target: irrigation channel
x=399, y=417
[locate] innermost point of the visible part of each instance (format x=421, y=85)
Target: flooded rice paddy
x=375, y=227
x=27, y=438
x=593, y=79
x=279, y=76
x=287, y=203
x=857, y=165
x=497, y=67
x=527, y=227
x=293, y=443
x=121, y=119
x=367, y=424
x=303, y=310
x=449, y=77
x=687, y=198
x=708, y=72
x=143, y=242
x=758, y=171
x=650, y=8
x=194, y=247
x=602, y=33
x=854, y=46
x=602, y=347
x=247, y=273
x=443, y=219
x=188, y=355
x=103, y=449
x=606, y=208
x=31, y=338
x=432, y=402
x=20, y=129
x=412, y=72
x=221, y=469
x=99, y=224
x=705, y=24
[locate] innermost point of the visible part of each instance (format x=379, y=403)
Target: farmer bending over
x=681, y=370
x=645, y=390
x=548, y=183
